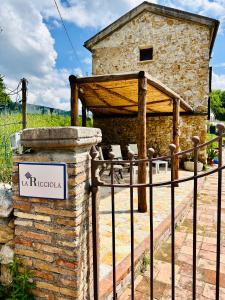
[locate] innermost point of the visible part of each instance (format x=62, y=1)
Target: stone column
x=53, y=237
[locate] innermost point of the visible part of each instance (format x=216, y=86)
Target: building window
x=146, y=54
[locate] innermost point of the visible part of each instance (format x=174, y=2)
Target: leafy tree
x=4, y=98
x=222, y=95
x=218, y=104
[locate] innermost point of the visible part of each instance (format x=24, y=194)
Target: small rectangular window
x=146, y=54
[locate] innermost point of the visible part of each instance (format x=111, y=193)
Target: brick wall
x=53, y=237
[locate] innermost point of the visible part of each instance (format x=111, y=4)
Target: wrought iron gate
x=96, y=164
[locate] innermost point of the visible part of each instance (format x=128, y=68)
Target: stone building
x=173, y=46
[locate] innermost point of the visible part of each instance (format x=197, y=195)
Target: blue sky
x=35, y=46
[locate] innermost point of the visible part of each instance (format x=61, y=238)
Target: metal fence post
x=172, y=148
x=195, y=140
x=24, y=102
x=95, y=220
x=151, y=152
x=220, y=128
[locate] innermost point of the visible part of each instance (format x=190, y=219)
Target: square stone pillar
x=53, y=237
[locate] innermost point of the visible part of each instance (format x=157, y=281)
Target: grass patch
x=33, y=121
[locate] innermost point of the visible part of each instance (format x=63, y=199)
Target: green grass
x=33, y=121
x=211, y=136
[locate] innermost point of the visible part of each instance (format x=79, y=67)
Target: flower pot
x=189, y=166
x=209, y=161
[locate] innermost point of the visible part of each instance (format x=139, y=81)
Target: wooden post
x=24, y=102
x=84, y=116
x=74, y=100
x=176, y=134
x=142, y=151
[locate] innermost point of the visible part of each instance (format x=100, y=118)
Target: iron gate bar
x=150, y=154
x=164, y=182
x=220, y=128
x=101, y=162
x=172, y=150
x=95, y=220
x=96, y=182
x=113, y=234
x=195, y=140
x=132, y=228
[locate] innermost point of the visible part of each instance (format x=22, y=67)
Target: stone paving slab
x=206, y=254
x=161, y=208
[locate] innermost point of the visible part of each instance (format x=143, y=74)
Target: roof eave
x=159, y=9
x=214, y=34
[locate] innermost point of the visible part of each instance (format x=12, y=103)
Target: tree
x=4, y=98
x=218, y=104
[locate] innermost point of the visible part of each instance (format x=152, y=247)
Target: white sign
x=43, y=180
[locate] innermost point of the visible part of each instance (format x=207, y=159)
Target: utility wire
x=66, y=31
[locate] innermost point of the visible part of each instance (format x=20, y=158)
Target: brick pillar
x=52, y=237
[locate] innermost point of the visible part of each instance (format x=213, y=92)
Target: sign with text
x=43, y=180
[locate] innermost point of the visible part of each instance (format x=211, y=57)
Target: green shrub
x=20, y=286
x=212, y=129
x=217, y=99
x=211, y=152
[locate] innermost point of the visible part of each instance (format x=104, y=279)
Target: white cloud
x=27, y=47
x=221, y=65
x=218, y=81
x=100, y=13
x=84, y=13
x=27, y=50
x=78, y=72
x=87, y=60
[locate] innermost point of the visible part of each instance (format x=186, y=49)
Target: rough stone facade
x=124, y=131
x=180, y=54
x=53, y=237
x=180, y=60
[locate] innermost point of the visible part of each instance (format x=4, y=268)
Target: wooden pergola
x=135, y=93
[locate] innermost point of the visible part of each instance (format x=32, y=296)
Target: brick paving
x=161, y=210
x=206, y=254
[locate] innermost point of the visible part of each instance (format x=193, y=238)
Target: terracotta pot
x=209, y=162
x=189, y=166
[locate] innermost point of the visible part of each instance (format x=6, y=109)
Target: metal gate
x=97, y=164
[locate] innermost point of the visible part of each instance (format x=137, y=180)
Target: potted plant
x=189, y=164
x=211, y=154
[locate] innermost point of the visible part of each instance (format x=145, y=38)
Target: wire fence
x=14, y=116
x=8, y=125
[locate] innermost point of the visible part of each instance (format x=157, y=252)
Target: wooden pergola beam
x=84, y=110
x=74, y=100
x=142, y=151
x=115, y=93
x=176, y=134
x=118, y=95
x=84, y=116
x=101, y=99
x=134, y=75
x=107, y=78
x=121, y=107
x=158, y=101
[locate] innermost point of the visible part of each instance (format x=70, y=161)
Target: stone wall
x=180, y=54
x=53, y=237
x=180, y=60
x=124, y=130
x=6, y=231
